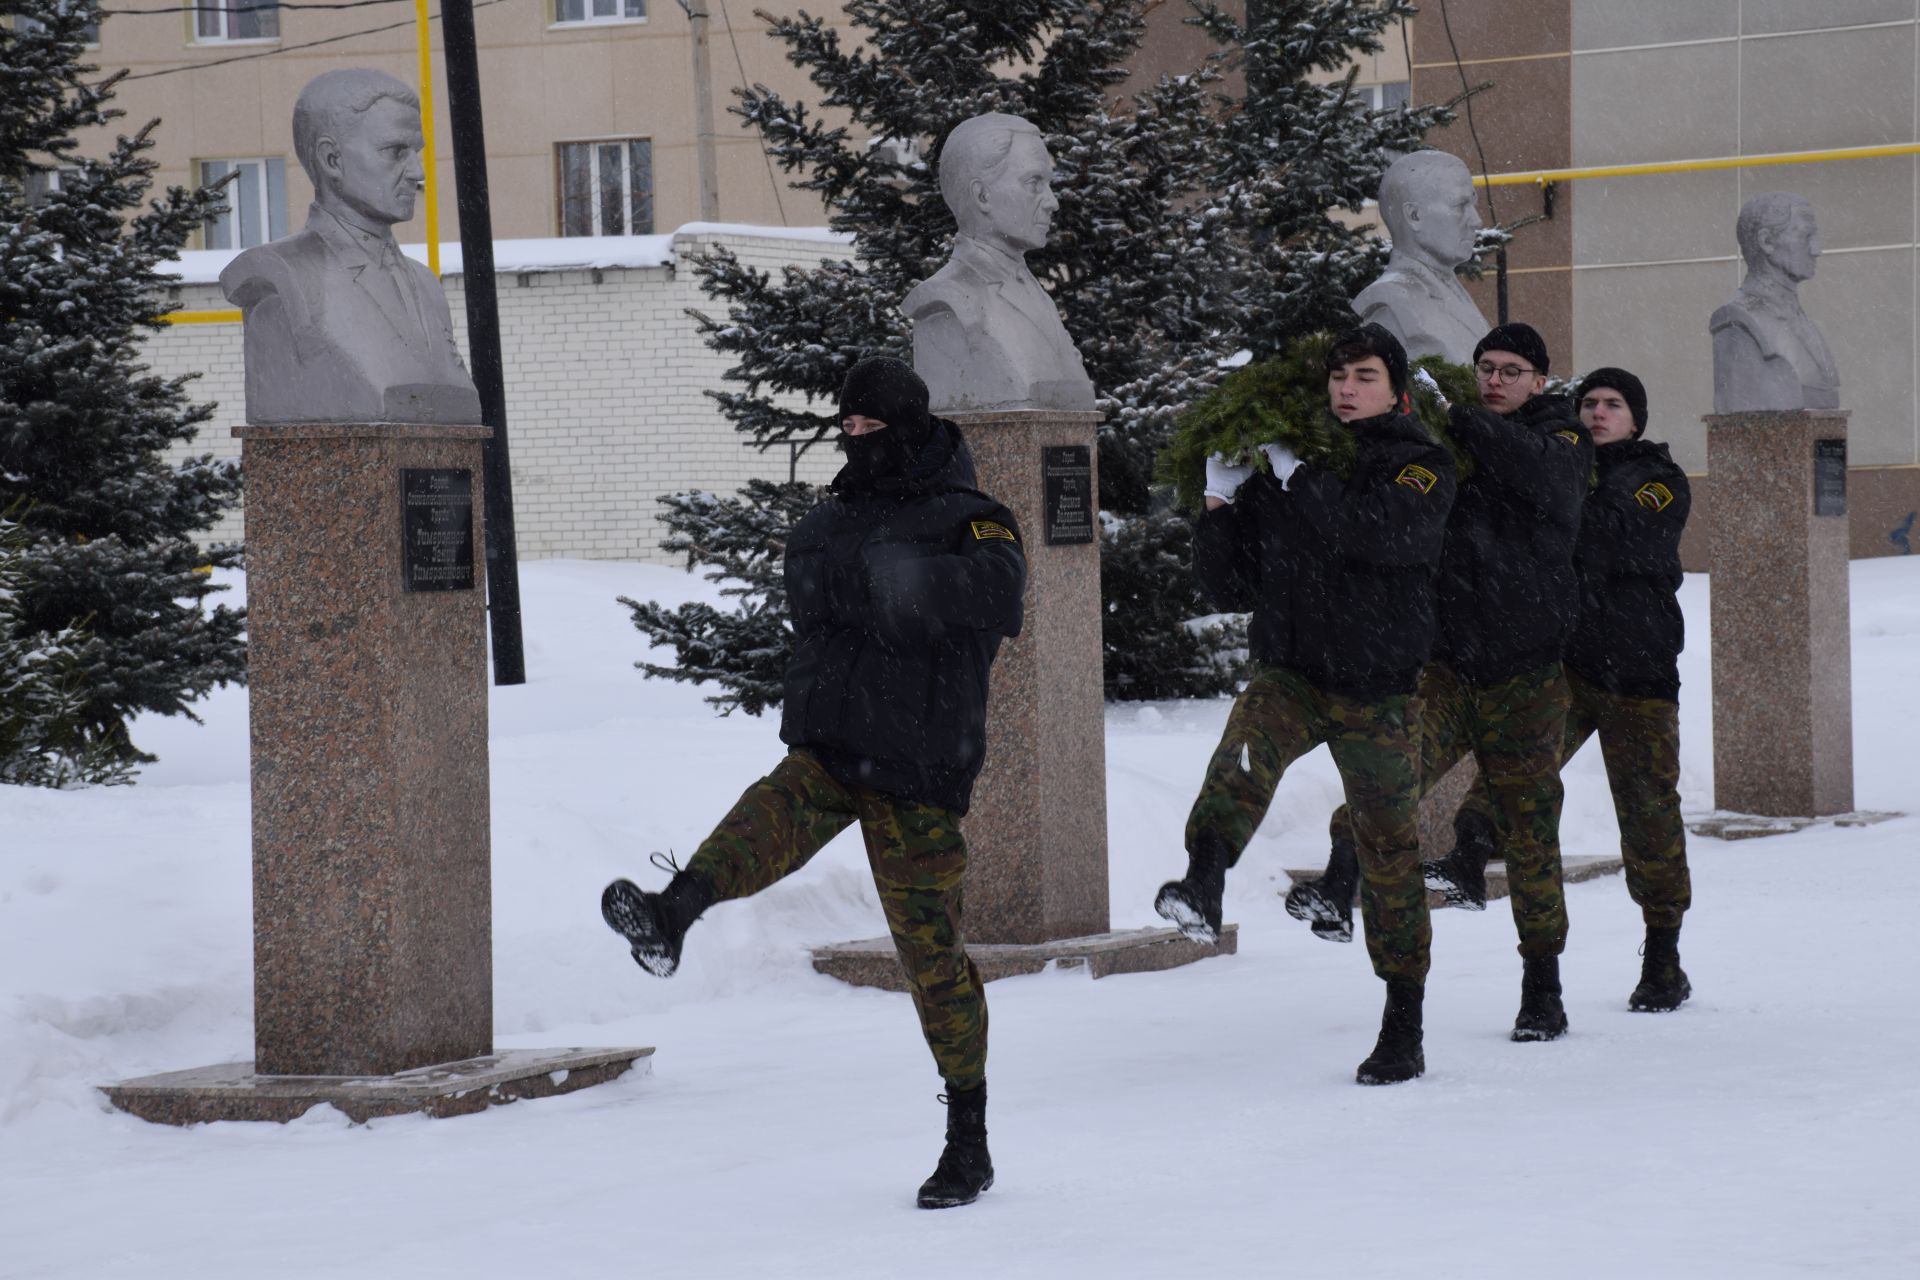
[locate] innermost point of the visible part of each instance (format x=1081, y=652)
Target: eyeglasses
x=1501, y=372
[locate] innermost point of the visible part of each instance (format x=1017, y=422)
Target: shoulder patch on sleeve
x=1654, y=496
x=1571, y=437
x=986, y=530
x=1417, y=478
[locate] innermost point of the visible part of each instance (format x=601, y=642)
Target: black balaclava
x=1626, y=384
x=1371, y=340
x=1521, y=339
x=887, y=389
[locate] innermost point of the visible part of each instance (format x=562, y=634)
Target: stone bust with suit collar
x=1767, y=353
x=985, y=333
x=1428, y=204
x=340, y=325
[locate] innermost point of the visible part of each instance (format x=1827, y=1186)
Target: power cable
x=1467, y=100
x=766, y=155
x=291, y=48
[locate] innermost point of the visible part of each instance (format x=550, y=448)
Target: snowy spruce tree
x=108, y=524
x=1192, y=225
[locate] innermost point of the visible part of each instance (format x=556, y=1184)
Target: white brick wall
x=606, y=409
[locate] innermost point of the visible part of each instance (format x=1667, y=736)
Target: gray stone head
x=1776, y=229
x=357, y=133
x=1428, y=203
x=997, y=179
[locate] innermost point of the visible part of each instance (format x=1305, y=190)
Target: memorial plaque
x=1067, y=476
x=1829, y=477
x=438, y=528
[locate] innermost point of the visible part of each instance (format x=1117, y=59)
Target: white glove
x=1224, y=478
x=1423, y=376
x=1285, y=462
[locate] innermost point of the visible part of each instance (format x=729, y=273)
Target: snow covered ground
x=1198, y=1121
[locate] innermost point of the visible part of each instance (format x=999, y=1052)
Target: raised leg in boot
x=1192, y=904
x=1327, y=903
x=655, y=924
x=965, y=1168
x=1461, y=874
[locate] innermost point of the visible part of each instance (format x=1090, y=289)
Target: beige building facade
x=588, y=107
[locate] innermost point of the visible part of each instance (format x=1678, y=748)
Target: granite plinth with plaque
x=1782, y=656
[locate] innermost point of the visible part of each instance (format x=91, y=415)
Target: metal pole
x=483, y=332
x=1500, y=283
x=423, y=37
x=697, y=18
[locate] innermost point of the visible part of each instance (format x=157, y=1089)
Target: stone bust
x=1766, y=353
x=985, y=334
x=340, y=326
x=1428, y=203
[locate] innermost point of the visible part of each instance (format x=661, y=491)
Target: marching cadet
x=1624, y=674
x=1506, y=602
x=1338, y=574
x=901, y=586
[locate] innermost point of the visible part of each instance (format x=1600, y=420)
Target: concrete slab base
x=1573, y=869
x=234, y=1092
x=1722, y=825
x=873, y=962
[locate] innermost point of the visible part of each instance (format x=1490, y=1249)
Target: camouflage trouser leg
x=1270, y=726
x=919, y=859
x=1375, y=749
x=1278, y=718
x=1444, y=730
x=1518, y=727
x=776, y=825
x=1640, y=741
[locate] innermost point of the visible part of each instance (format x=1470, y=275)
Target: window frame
x=267, y=203
x=557, y=23
x=594, y=197
x=220, y=7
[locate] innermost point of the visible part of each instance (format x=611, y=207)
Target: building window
x=215, y=20
x=606, y=188
x=598, y=10
x=42, y=183
x=91, y=31
x=1384, y=97
x=256, y=202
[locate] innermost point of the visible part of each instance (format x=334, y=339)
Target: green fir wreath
x=1283, y=401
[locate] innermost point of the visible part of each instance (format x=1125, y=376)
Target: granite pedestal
x=372, y=896
x=1037, y=831
x=1782, y=657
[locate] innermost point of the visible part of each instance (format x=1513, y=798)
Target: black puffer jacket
x=1338, y=573
x=1506, y=590
x=900, y=591
x=1630, y=631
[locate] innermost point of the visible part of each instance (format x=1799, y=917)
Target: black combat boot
x=1542, y=1016
x=1396, y=1055
x=965, y=1168
x=655, y=924
x=1663, y=983
x=1192, y=903
x=1327, y=903
x=1462, y=874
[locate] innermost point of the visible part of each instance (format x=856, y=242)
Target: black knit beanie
x=1521, y=339
x=1626, y=384
x=1370, y=340
x=888, y=389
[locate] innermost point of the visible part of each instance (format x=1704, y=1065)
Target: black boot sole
x=1661, y=1002
x=1439, y=877
x=1528, y=1035
x=953, y=1202
x=624, y=906
x=1395, y=1073
x=1171, y=904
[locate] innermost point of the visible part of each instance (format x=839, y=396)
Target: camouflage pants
x=1280, y=717
x=918, y=858
x=1513, y=728
x=1640, y=742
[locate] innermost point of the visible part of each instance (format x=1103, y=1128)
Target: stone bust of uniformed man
x=985, y=334
x=1766, y=353
x=340, y=326
x=1427, y=201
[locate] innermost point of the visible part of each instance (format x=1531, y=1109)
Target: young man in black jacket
x=1624, y=674
x=1338, y=574
x=1507, y=598
x=901, y=586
